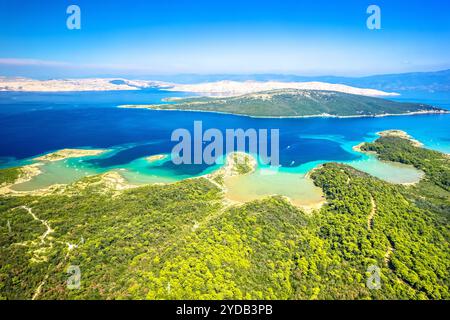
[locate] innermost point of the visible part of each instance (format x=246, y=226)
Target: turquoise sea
x=33, y=124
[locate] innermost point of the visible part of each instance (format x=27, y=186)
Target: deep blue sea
x=32, y=124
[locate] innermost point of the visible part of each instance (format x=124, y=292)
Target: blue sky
x=138, y=37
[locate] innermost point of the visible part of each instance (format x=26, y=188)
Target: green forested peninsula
x=183, y=241
x=296, y=103
x=9, y=175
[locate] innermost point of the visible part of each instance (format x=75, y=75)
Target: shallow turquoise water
x=45, y=123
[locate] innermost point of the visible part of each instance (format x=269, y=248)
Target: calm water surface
x=33, y=124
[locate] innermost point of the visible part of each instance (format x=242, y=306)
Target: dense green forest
x=182, y=241
x=295, y=103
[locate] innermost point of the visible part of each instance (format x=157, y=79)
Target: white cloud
x=31, y=62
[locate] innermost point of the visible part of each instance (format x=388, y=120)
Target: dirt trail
x=42, y=238
x=390, y=250
x=45, y=223
x=372, y=213
x=387, y=256
x=37, y=292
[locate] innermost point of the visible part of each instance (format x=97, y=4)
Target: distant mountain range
x=416, y=81
x=227, y=88
x=296, y=103
x=429, y=82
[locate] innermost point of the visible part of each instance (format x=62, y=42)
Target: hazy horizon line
x=130, y=76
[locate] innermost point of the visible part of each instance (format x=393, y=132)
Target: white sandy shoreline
x=293, y=117
x=68, y=153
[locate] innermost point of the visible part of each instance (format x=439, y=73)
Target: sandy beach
x=26, y=174
x=69, y=153
x=156, y=157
